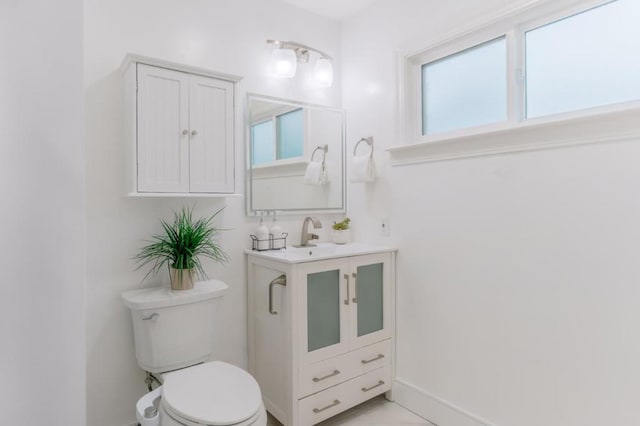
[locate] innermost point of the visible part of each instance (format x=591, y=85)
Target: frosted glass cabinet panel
x=371, y=298
x=323, y=309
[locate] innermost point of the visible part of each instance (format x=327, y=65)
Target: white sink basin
x=320, y=251
x=311, y=251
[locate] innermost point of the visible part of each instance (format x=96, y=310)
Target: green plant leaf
x=182, y=244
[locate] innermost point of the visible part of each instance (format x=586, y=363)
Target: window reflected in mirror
x=284, y=137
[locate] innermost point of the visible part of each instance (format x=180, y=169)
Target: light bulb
x=283, y=63
x=324, y=72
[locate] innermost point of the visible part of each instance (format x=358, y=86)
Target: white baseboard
x=432, y=408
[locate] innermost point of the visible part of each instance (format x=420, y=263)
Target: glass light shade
x=283, y=63
x=324, y=72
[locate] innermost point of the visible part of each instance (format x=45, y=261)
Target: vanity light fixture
x=287, y=55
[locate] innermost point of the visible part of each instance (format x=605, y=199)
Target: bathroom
x=516, y=296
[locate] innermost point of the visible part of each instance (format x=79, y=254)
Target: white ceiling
x=335, y=9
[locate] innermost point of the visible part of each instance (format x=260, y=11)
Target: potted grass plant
x=341, y=233
x=180, y=247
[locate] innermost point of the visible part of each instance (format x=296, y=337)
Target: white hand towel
x=316, y=173
x=363, y=169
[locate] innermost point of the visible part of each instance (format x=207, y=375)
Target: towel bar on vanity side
x=280, y=280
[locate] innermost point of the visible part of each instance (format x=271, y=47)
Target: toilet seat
x=171, y=419
x=214, y=393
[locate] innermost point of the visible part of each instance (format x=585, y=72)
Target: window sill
x=608, y=124
x=280, y=169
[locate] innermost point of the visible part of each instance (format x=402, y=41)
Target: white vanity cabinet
x=322, y=343
x=179, y=129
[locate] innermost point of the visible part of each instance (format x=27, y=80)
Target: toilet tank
x=174, y=329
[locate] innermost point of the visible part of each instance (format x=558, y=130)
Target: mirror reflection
x=295, y=156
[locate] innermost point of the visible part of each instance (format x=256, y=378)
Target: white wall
x=226, y=36
x=517, y=274
x=42, y=248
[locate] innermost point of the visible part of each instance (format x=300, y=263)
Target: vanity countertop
x=321, y=251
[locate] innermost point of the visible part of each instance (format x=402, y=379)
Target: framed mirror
x=295, y=156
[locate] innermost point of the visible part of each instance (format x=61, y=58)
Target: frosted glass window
x=262, y=140
x=370, y=298
x=583, y=61
x=290, y=134
x=466, y=89
x=323, y=309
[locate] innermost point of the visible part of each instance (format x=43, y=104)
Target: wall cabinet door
x=163, y=117
x=370, y=304
x=211, y=156
x=323, y=310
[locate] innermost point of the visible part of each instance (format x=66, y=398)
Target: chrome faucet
x=305, y=236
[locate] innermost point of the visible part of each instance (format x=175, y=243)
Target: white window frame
x=273, y=116
x=517, y=133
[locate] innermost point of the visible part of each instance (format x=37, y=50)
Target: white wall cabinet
x=323, y=342
x=179, y=129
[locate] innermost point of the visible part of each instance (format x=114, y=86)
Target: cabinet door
x=211, y=131
x=370, y=314
x=323, y=310
x=162, y=148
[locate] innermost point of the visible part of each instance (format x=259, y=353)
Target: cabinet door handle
x=335, y=373
x=346, y=277
x=355, y=288
x=154, y=316
x=320, y=410
x=185, y=132
x=194, y=133
x=281, y=280
x=367, y=361
x=380, y=383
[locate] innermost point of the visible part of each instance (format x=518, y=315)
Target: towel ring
x=324, y=149
x=368, y=141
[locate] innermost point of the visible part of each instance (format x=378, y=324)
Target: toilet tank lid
x=162, y=297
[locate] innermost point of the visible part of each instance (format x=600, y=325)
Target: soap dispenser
x=276, y=233
x=262, y=234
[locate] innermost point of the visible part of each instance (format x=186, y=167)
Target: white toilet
x=173, y=334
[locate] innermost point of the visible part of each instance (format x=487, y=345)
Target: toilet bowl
x=213, y=393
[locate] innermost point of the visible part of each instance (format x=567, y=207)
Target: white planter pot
x=341, y=237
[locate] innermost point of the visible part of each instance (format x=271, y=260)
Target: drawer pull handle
x=380, y=383
x=367, y=361
x=335, y=373
x=333, y=404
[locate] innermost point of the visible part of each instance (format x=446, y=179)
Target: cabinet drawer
x=321, y=375
x=329, y=402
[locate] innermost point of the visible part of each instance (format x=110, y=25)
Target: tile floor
x=375, y=412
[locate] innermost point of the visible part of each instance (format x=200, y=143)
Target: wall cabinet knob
x=194, y=132
x=185, y=132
